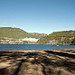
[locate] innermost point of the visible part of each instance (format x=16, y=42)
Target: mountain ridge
x=39, y=34
x=16, y=35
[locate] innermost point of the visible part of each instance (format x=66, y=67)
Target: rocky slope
x=48, y=62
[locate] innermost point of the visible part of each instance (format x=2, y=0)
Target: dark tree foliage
x=73, y=41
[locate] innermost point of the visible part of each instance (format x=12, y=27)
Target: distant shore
x=44, y=62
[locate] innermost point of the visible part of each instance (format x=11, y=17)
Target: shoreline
x=40, y=62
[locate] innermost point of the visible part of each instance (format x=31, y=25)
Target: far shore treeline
x=9, y=35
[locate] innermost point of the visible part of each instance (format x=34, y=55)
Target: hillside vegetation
x=63, y=37
x=15, y=33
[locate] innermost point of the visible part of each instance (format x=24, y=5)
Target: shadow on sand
x=37, y=63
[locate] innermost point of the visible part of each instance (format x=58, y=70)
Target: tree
x=73, y=42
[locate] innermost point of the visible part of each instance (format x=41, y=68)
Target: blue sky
x=42, y=16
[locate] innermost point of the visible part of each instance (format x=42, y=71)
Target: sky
x=42, y=16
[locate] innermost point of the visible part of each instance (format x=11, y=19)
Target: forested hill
x=63, y=37
x=15, y=33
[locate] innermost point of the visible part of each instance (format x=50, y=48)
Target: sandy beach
x=44, y=62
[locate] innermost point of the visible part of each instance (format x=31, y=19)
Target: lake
x=34, y=47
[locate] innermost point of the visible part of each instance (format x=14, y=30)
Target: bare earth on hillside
x=46, y=62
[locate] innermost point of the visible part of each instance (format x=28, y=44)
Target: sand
x=45, y=62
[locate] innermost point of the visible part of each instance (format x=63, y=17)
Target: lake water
x=34, y=47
